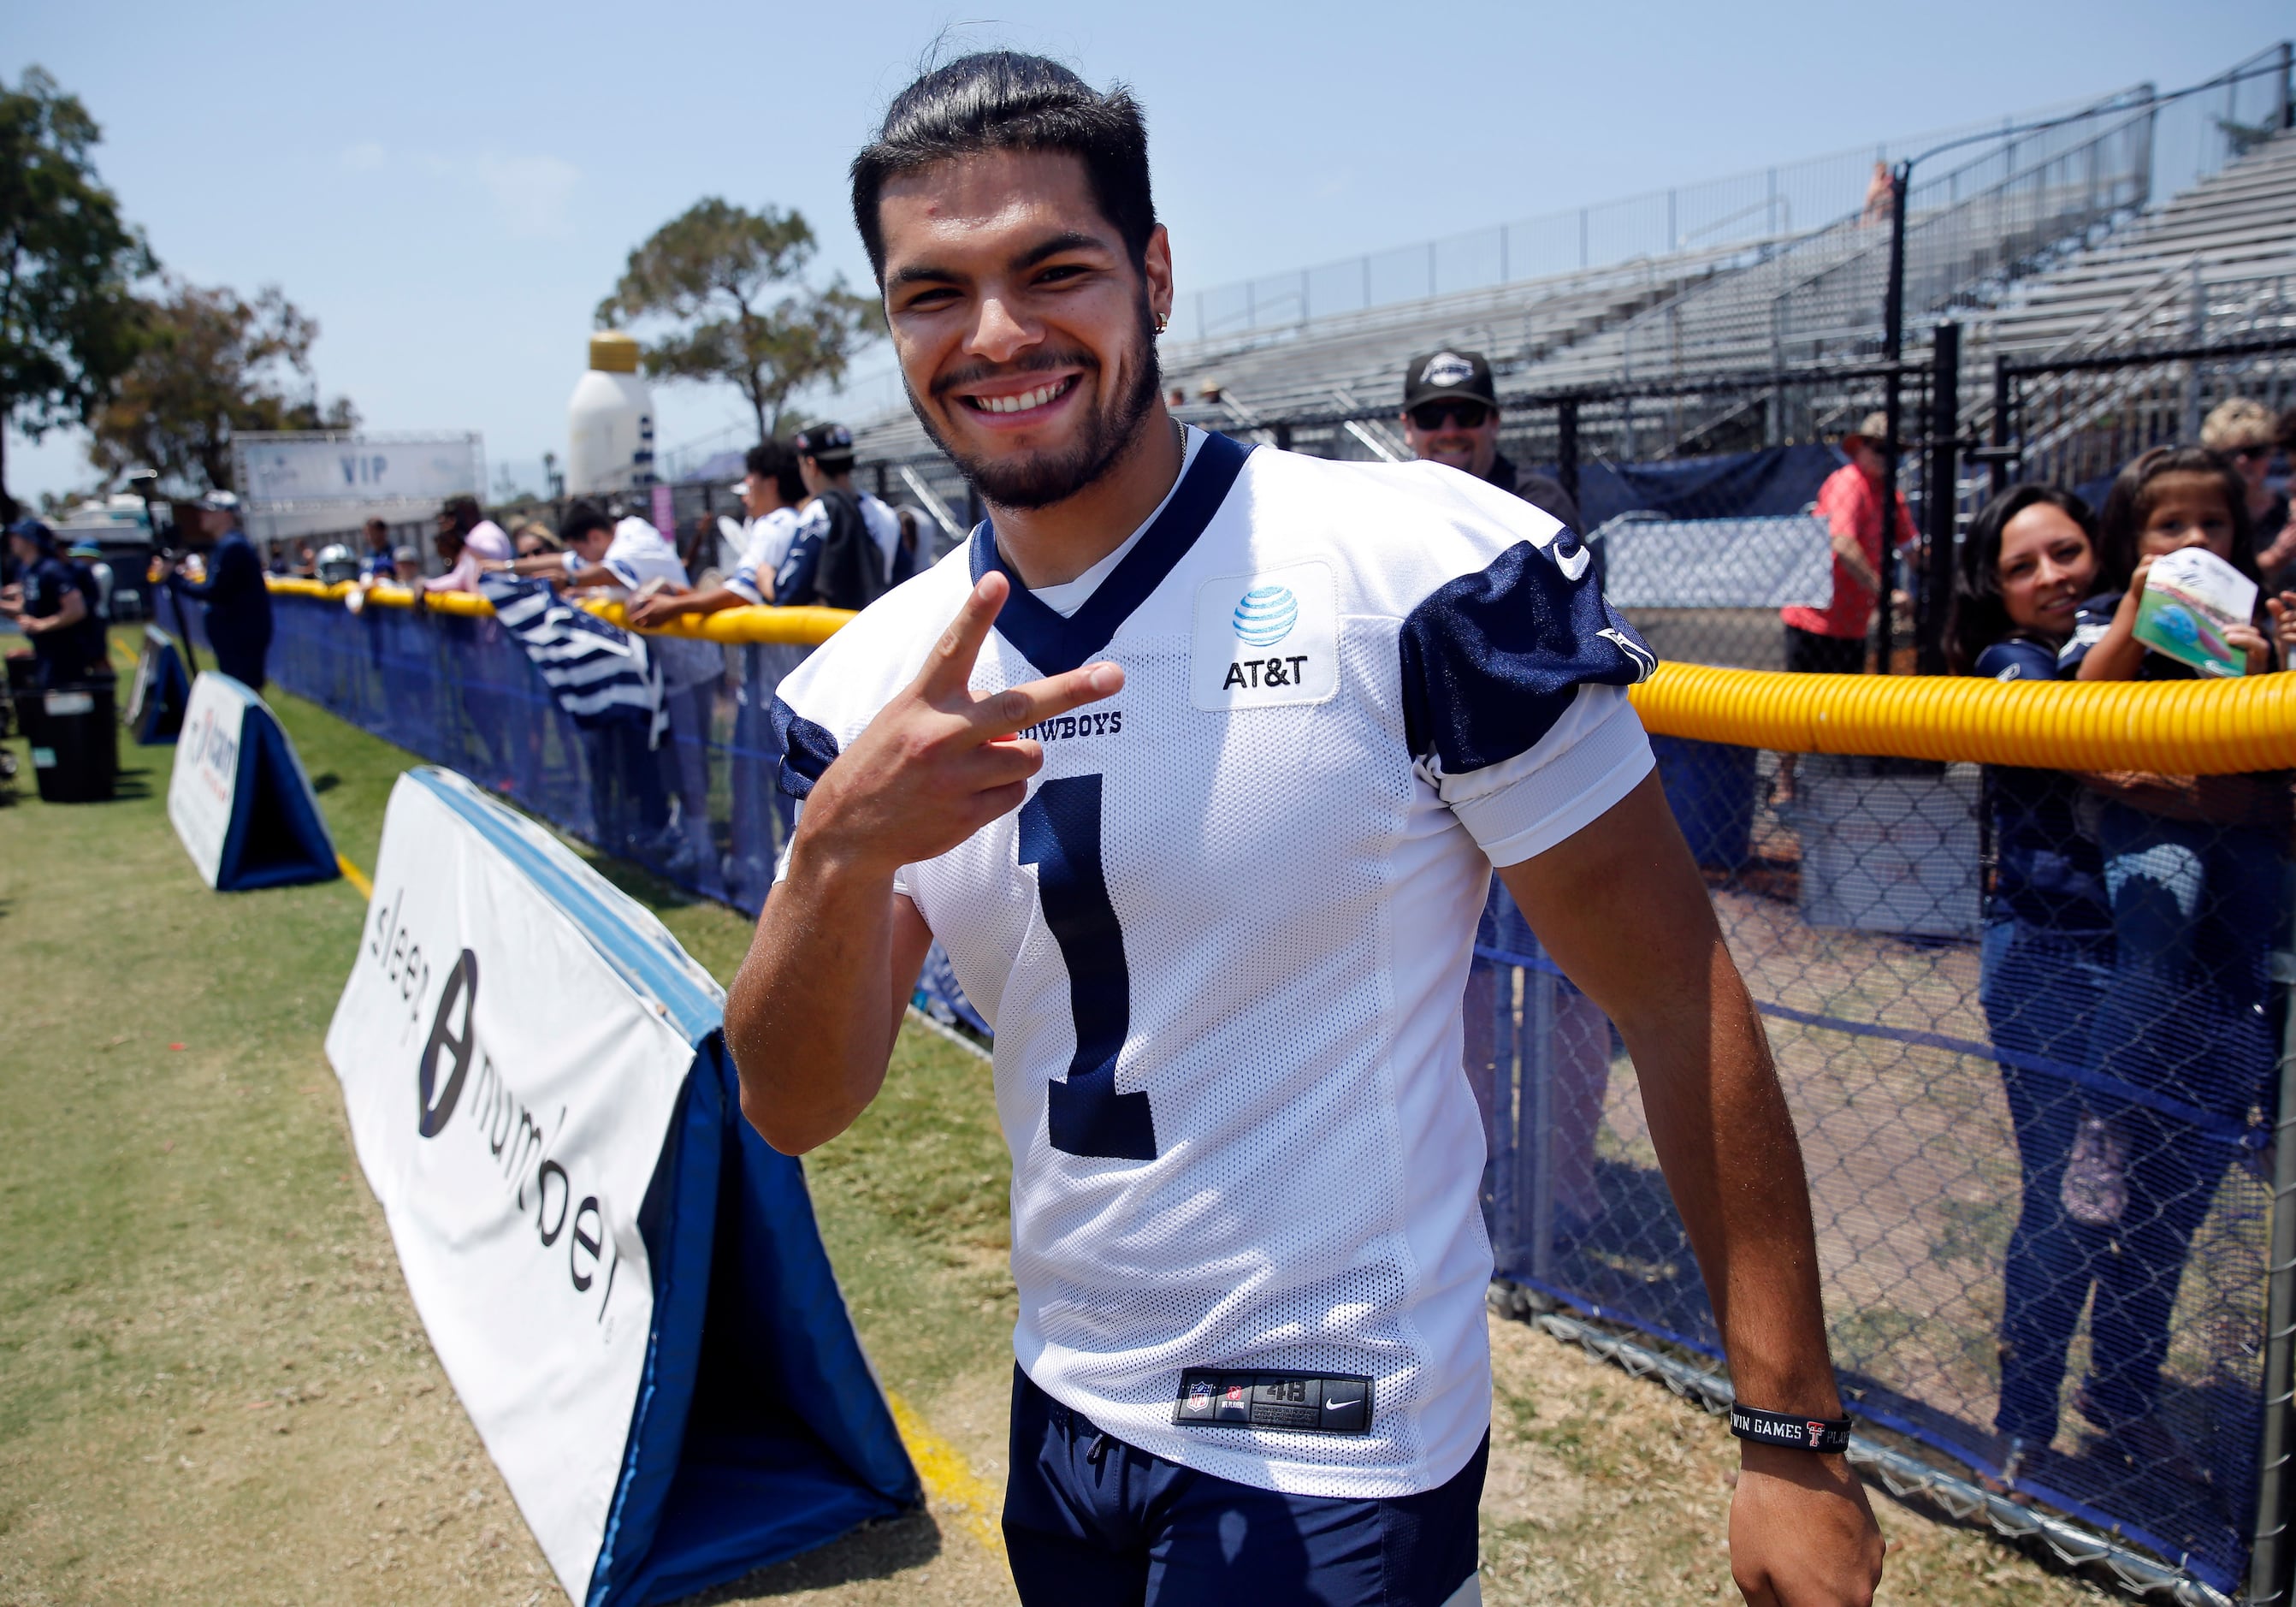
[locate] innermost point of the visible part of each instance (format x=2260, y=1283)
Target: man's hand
x=1802, y=1533
x=663, y=606
x=807, y=1017
x=937, y=763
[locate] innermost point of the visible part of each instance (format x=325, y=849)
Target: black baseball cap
x=824, y=443
x=1449, y=375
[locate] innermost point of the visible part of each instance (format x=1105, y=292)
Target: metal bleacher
x=2044, y=239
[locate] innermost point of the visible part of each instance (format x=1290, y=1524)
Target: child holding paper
x=2196, y=873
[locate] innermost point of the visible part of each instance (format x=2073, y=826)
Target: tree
x=212, y=366
x=69, y=322
x=716, y=270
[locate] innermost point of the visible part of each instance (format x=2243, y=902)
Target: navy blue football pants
x=1090, y=1521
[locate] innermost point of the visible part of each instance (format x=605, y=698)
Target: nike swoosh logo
x=1333, y=1405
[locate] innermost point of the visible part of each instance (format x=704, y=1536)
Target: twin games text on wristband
x=1826, y=1435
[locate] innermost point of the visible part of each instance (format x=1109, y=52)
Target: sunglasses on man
x=2244, y=453
x=1454, y=415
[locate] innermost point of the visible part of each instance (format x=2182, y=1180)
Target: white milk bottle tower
x=610, y=422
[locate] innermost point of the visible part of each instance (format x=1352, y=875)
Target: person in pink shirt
x=468, y=543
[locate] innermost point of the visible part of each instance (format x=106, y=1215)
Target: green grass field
x=214, y=1389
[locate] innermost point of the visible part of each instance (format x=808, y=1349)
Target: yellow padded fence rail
x=2178, y=727
x=735, y=627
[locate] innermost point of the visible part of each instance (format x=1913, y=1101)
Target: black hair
x=2121, y=525
x=581, y=519
x=1978, y=617
x=771, y=460
x=1000, y=100
x=459, y=508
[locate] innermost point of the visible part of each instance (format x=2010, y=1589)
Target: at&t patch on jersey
x=1267, y=638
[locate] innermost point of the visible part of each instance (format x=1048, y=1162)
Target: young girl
x=2029, y=561
x=2194, y=867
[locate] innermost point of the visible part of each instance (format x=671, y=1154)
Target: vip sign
x=239, y=799
x=528, y=1058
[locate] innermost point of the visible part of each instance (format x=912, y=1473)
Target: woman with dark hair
x=2028, y=561
x=2196, y=874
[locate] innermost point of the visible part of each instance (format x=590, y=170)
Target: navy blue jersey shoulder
x=2017, y=658
x=1054, y=643
x=2048, y=872
x=1492, y=659
x=805, y=750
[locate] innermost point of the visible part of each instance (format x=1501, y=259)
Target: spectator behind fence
x=534, y=540
x=2242, y=433
x=54, y=608
x=380, y=564
x=2028, y=562
x=847, y=550
x=1451, y=416
x=238, y=603
x=772, y=491
x=624, y=559
x=468, y=541
x=89, y=556
x=2196, y=873
x=1831, y=640
x=406, y=565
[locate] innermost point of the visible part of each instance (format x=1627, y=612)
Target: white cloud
x=368, y=156
x=531, y=194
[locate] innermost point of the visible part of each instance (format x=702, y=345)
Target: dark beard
x=1041, y=479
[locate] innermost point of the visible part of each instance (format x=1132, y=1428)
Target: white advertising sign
x=510, y=1075
x=297, y=471
x=200, y=792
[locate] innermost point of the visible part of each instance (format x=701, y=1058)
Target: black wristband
x=1827, y=1437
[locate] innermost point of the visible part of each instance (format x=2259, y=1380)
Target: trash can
x=75, y=741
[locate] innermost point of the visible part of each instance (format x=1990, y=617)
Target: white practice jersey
x=638, y=554
x=1223, y=944
x=765, y=545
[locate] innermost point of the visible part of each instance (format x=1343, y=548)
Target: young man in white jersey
x=846, y=550
x=1197, y=760
x=771, y=495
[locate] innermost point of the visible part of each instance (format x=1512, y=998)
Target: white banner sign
x=200, y=792
x=290, y=471
x=510, y=1075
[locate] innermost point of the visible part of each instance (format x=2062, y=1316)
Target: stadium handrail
x=2178, y=728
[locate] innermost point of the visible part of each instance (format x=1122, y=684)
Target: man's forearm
x=1714, y=1108
x=806, y=1018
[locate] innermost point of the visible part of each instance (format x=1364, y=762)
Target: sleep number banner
x=623, y=1282
x=239, y=798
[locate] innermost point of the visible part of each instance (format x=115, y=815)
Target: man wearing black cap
x=54, y=609
x=1451, y=415
x=847, y=552
x=238, y=603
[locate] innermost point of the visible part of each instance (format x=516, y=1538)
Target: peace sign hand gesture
x=937, y=763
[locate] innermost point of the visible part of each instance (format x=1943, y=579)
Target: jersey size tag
x=1265, y=640
x=1306, y=1403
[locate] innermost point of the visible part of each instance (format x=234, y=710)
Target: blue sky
x=450, y=189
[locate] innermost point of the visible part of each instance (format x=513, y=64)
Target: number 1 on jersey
x=1060, y=836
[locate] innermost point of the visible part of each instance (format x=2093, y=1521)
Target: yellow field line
x=354, y=876
x=948, y=1478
